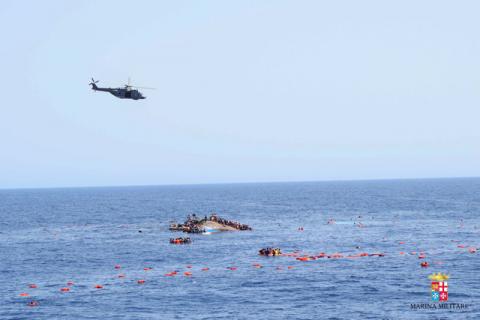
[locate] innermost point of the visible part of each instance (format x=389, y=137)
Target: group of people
x=191, y=225
x=194, y=224
x=180, y=240
x=192, y=228
x=233, y=224
x=270, y=252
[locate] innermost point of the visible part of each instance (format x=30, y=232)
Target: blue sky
x=246, y=91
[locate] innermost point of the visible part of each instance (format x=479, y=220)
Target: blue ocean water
x=51, y=236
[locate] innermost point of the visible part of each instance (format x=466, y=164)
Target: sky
x=245, y=91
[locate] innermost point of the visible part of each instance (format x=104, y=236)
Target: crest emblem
x=439, y=287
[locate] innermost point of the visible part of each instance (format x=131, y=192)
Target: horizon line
x=235, y=183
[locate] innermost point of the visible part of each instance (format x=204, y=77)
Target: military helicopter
x=127, y=92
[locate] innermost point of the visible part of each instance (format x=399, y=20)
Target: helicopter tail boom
x=96, y=88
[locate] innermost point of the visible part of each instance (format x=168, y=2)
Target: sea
x=112, y=237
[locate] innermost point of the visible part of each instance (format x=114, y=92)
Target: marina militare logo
x=439, y=295
x=439, y=287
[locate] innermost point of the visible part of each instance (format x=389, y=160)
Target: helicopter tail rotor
x=93, y=84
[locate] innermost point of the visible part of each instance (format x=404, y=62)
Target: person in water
x=180, y=240
x=270, y=252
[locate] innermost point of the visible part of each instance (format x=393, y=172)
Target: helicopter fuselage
x=122, y=93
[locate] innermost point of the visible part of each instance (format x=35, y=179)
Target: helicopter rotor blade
x=143, y=88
